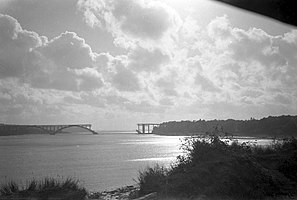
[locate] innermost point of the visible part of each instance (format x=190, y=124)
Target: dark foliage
x=215, y=169
x=289, y=167
x=49, y=188
x=288, y=162
x=152, y=179
x=279, y=126
x=9, y=189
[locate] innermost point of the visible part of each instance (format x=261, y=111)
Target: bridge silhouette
x=50, y=129
x=144, y=128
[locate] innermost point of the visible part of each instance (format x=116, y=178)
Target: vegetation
x=152, y=179
x=213, y=169
x=48, y=188
x=279, y=126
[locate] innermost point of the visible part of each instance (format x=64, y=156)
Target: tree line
x=272, y=126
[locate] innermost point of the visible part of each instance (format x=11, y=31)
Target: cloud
x=205, y=83
x=144, y=107
x=253, y=93
x=239, y=60
x=166, y=83
x=86, y=99
x=25, y=103
x=291, y=37
x=142, y=21
x=68, y=50
x=244, y=45
x=283, y=99
x=124, y=79
x=16, y=45
x=141, y=59
x=105, y=100
x=64, y=63
x=169, y=66
x=219, y=28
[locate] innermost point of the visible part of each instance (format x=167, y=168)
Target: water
x=101, y=162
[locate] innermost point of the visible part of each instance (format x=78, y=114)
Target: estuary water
x=101, y=162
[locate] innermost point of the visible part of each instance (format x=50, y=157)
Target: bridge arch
x=74, y=125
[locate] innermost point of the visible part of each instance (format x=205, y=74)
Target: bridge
x=50, y=129
x=144, y=128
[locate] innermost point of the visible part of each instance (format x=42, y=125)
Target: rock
x=124, y=193
x=151, y=196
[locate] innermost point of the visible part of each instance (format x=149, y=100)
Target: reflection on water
x=154, y=159
x=104, y=161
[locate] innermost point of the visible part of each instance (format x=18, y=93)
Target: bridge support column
x=141, y=128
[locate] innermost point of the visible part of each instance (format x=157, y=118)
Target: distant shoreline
x=272, y=127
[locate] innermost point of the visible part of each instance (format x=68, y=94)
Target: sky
x=116, y=63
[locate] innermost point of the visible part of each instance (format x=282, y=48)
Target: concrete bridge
x=146, y=128
x=50, y=129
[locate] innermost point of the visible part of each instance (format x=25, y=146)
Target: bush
x=288, y=144
x=47, y=188
x=213, y=168
x=152, y=179
x=288, y=167
x=9, y=189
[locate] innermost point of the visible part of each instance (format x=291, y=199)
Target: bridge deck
x=145, y=128
x=49, y=128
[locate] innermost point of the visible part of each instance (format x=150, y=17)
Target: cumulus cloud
x=25, y=103
x=291, y=37
x=283, y=99
x=167, y=85
x=123, y=78
x=205, y=83
x=15, y=46
x=141, y=59
x=144, y=107
x=168, y=65
x=144, y=19
x=134, y=20
x=64, y=63
x=68, y=50
x=219, y=28
x=249, y=62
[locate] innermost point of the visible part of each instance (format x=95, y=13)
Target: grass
x=48, y=188
x=213, y=169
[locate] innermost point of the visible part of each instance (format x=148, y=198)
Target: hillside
x=272, y=126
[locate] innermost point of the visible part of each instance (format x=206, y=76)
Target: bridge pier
x=144, y=128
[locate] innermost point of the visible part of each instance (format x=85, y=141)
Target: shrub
x=288, y=167
x=9, y=189
x=47, y=188
x=288, y=144
x=213, y=168
x=152, y=179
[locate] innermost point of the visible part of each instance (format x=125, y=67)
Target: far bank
x=271, y=127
